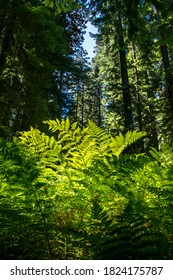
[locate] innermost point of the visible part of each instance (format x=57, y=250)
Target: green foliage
x=131, y=237
x=147, y=45
x=76, y=191
x=37, y=41
x=76, y=194
x=61, y=6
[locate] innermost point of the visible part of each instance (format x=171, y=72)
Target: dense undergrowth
x=80, y=194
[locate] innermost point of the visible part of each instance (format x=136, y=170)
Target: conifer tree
x=38, y=39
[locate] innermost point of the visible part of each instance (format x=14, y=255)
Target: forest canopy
x=86, y=157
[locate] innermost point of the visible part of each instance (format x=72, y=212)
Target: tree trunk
x=99, y=109
x=138, y=99
x=166, y=63
x=125, y=83
x=152, y=119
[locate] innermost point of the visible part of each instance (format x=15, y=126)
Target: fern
x=131, y=236
x=39, y=142
x=85, y=197
x=120, y=142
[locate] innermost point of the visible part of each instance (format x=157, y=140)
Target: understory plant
x=77, y=193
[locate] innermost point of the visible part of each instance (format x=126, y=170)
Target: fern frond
x=132, y=237
x=40, y=142
x=120, y=142
x=99, y=136
x=163, y=157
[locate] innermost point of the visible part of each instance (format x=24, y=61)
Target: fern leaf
x=120, y=142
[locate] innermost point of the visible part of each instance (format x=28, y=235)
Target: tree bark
x=166, y=63
x=138, y=99
x=152, y=119
x=128, y=115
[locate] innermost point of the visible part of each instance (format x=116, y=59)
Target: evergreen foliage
x=144, y=69
x=37, y=40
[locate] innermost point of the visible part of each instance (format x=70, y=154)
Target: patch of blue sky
x=89, y=42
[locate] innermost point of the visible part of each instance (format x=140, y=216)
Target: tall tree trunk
x=166, y=63
x=138, y=98
x=128, y=115
x=77, y=106
x=99, y=109
x=152, y=119
x=60, y=94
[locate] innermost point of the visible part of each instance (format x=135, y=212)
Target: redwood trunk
x=128, y=116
